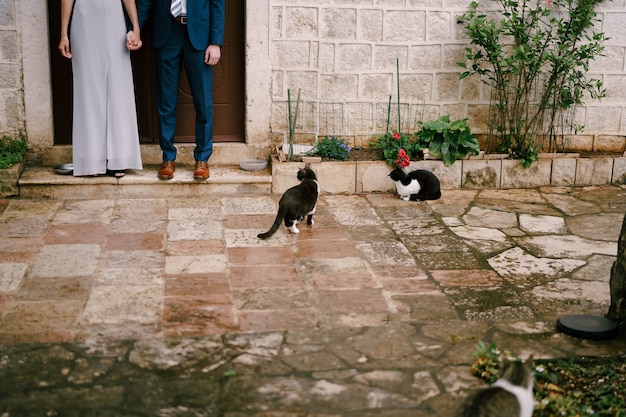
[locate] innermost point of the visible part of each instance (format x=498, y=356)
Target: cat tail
x=282, y=211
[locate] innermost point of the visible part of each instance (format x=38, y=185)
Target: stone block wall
x=11, y=92
x=339, y=51
x=346, y=50
x=479, y=174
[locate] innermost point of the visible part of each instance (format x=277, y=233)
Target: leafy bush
x=331, y=148
x=391, y=143
x=12, y=150
x=535, y=55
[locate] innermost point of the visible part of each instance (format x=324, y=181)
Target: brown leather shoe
x=166, y=172
x=201, y=171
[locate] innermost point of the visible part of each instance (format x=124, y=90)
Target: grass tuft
x=12, y=150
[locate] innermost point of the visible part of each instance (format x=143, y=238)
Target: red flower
x=396, y=136
x=403, y=159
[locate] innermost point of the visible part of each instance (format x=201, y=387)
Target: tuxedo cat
x=417, y=185
x=510, y=396
x=297, y=202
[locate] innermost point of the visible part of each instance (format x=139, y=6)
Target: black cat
x=417, y=185
x=297, y=202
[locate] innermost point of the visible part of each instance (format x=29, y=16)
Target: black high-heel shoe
x=117, y=173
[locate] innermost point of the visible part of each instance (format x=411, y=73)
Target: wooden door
x=228, y=88
x=228, y=82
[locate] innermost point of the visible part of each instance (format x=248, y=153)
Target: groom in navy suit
x=189, y=34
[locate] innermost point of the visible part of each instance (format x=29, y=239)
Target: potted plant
x=392, y=142
x=450, y=140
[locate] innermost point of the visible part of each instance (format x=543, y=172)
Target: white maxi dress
x=104, y=129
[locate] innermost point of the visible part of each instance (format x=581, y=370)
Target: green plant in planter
x=535, y=54
x=331, y=148
x=391, y=142
x=12, y=150
x=450, y=140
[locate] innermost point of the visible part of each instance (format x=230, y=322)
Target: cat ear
x=307, y=165
x=504, y=360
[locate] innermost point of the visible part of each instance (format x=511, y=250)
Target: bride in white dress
x=105, y=135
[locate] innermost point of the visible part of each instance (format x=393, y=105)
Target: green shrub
x=535, y=55
x=12, y=150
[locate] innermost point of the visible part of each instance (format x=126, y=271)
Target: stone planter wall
x=8, y=180
x=372, y=176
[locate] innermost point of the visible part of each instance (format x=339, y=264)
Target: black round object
x=586, y=326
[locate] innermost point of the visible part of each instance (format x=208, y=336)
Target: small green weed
x=229, y=374
x=12, y=150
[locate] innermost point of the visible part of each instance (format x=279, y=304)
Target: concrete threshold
x=44, y=182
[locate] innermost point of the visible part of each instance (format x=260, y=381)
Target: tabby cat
x=297, y=202
x=417, y=185
x=510, y=396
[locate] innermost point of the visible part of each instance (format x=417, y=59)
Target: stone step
x=44, y=182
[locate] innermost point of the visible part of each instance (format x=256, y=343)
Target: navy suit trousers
x=178, y=51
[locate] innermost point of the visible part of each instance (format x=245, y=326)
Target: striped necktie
x=176, y=7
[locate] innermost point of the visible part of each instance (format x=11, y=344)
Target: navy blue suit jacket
x=205, y=21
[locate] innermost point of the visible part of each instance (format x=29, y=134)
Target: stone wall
x=472, y=172
x=25, y=86
x=11, y=92
x=331, y=50
x=346, y=50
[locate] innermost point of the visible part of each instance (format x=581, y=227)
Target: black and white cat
x=297, y=202
x=510, y=396
x=417, y=185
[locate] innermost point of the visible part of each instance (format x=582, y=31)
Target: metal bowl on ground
x=64, y=169
x=252, y=164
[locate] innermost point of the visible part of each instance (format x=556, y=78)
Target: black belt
x=181, y=19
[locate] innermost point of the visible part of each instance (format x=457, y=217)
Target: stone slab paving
x=172, y=307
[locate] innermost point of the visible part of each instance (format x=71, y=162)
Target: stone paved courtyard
x=172, y=307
